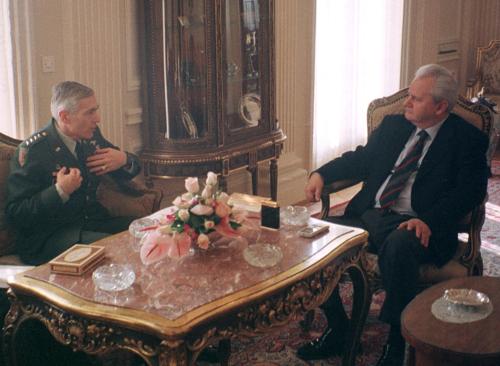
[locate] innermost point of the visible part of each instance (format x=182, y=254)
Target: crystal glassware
x=295, y=215
x=139, y=228
x=113, y=277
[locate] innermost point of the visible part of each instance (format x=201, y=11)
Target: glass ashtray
x=113, y=277
x=465, y=297
x=140, y=227
x=262, y=255
x=295, y=215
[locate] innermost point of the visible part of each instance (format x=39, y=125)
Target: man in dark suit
x=51, y=192
x=417, y=187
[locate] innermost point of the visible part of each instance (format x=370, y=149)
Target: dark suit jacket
x=34, y=207
x=450, y=182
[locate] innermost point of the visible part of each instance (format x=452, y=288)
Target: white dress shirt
x=403, y=202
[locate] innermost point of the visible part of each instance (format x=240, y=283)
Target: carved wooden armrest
x=472, y=225
x=328, y=189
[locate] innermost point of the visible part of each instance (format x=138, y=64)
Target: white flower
x=202, y=210
x=207, y=191
x=211, y=179
x=183, y=214
x=203, y=241
x=187, y=196
x=223, y=197
x=192, y=185
x=209, y=224
x=180, y=203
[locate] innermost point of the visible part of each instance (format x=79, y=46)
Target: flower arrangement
x=196, y=215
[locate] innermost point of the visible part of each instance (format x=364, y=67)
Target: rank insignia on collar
x=22, y=156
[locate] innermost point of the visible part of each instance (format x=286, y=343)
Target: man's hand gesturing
x=69, y=179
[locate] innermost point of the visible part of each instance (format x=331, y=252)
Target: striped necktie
x=402, y=172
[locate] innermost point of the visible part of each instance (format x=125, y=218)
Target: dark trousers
x=79, y=232
x=400, y=255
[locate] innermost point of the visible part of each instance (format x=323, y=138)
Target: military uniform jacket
x=34, y=207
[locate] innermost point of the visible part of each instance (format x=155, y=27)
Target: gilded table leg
x=360, y=307
x=12, y=320
x=173, y=353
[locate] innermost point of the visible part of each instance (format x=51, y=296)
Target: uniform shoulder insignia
x=35, y=138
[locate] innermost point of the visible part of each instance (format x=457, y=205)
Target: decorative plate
x=465, y=297
x=189, y=125
x=250, y=109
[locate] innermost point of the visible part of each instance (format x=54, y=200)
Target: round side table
x=434, y=342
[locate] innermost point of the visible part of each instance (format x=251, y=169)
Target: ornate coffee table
x=177, y=307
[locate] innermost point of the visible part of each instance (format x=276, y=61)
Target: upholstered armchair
x=467, y=260
x=486, y=81
x=131, y=199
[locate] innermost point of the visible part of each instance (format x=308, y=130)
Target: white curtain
x=357, y=59
x=7, y=107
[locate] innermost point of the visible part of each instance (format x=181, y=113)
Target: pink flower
x=203, y=241
x=225, y=229
x=222, y=209
x=211, y=179
x=192, y=185
x=180, y=203
x=155, y=247
x=202, y=210
x=182, y=244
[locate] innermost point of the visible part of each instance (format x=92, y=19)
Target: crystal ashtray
x=262, y=255
x=295, y=215
x=113, y=277
x=140, y=227
x=465, y=297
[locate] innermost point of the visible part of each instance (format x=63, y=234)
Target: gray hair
x=445, y=85
x=66, y=95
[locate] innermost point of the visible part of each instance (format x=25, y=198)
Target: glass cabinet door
x=188, y=53
x=241, y=62
x=246, y=65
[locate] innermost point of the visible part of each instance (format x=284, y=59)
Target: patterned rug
x=490, y=234
x=278, y=348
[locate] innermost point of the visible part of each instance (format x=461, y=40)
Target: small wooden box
x=77, y=259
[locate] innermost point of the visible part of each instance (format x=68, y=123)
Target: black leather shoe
x=327, y=345
x=392, y=355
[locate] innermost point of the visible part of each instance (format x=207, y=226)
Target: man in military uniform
x=51, y=192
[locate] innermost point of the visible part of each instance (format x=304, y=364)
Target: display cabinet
x=210, y=89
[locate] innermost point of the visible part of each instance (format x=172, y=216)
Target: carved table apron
x=177, y=307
